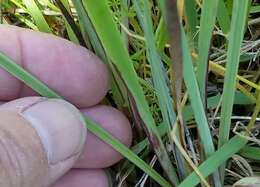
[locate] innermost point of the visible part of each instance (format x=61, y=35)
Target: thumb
x=40, y=140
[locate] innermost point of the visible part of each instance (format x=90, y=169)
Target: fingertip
x=44, y=138
x=71, y=70
x=59, y=125
x=60, y=128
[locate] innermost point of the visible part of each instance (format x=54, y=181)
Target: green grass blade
x=239, y=15
x=250, y=152
x=231, y=147
x=236, y=36
x=162, y=6
x=23, y=19
x=188, y=115
x=255, y=9
x=49, y=4
x=118, y=88
x=37, y=15
x=158, y=73
x=71, y=26
x=19, y=5
x=27, y=22
x=13, y=68
x=113, y=44
x=192, y=18
x=196, y=102
x=88, y=31
x=212, y=163
x=223, y=17
x=207, y=22
x=161, y=35
x=124, y=11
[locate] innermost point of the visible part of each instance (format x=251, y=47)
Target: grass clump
x=186, y=71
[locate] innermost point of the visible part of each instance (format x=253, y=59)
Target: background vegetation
x=185, y=72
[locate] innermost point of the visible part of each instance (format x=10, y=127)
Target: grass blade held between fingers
x=37, y=15
x=16, y=70
x=239, y=15
x=13, y=68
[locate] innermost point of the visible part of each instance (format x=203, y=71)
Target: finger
x=83, y=178
x=73, y=71
x=40, y=140
x=96, y=153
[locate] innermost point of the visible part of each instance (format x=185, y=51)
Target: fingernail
x=60, y=127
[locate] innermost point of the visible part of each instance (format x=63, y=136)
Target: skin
x=82, y=79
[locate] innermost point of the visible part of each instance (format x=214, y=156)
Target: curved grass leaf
x=31, y=81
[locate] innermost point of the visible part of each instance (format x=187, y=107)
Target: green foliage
x=132, y=38
x=239, y=16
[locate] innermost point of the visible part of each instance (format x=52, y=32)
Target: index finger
x=72, y=71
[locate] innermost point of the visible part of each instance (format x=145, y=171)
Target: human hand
x=41, y=139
